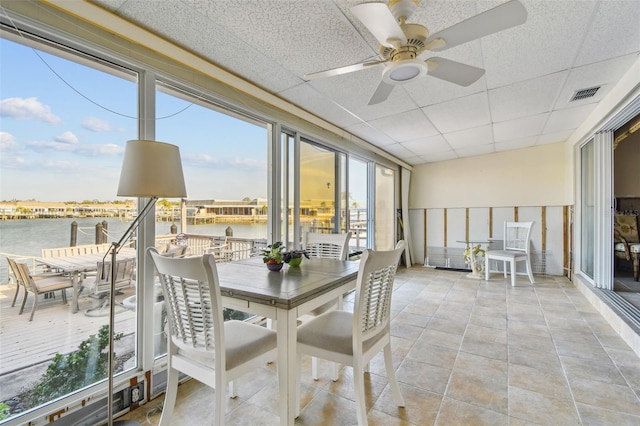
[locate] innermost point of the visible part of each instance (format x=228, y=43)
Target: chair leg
x=64, y=296
x=513, y=272
x=24, y=301
x=299, y=361
x=358, y=388
x=486, y=268
x=530, y=271
x=504, y=268
x=314, y=368
x=636, y=265
x=15, y=296
x=233, y=389
x=391, y=377
x=169, y=397
x=220, y=401
x=35, y=306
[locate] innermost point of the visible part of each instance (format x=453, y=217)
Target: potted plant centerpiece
x=294, y=257
x=272, y=256
x=275, y=256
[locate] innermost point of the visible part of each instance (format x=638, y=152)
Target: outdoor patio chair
x=38, y=285
x=101, y=287
x=516, y=248
x=200, y=343
x=327, y=246
x=355, y=338
x=626, y=240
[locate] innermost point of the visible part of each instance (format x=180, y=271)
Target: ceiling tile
x=526, y=98
x=472, y=151
x=519, y=128
x=464, y=113
x=309, y=99
x=515, y=144
x=614, y=31
x=568, y=119
x=427, y=145
x=368, y=133
x=546, y=43
x=440, y=156
x=405, y=126
x=604, y=74
x=470, y=137
x=549, y=138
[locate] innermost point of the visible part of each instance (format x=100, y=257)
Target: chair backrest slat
x=517, y=236
x=330, y=246
x=374, y=290
x=123, y=279
x=194, y=308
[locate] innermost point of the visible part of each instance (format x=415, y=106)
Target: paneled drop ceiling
x=523, y=99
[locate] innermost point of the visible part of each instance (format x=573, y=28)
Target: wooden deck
x=54, y=328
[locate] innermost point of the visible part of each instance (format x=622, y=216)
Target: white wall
x=538, y=176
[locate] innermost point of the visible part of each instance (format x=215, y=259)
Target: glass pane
x=317, y=189
x=385, y=215
x=587, y=240
x=357, y=204
x=64, y=128
x=225, y=168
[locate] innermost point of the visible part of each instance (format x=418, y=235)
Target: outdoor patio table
x=248, y=286
x=75, y=265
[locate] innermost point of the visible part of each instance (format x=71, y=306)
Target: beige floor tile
x=605, y=395
x=606, y=372
x=433, y=354
x=466, y=352
x=591, y=415
x=423, y=376
x=545, y=361
x=440, y=338
x=486, y=391
x=540, y=381
x=541, y=409
x=455, y=412
x=421, y=406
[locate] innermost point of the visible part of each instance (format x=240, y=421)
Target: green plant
x=4, y=411
x=70, y=372
x=273, y=253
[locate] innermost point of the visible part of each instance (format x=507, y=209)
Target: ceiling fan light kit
x=404, y=71
x=401, y=43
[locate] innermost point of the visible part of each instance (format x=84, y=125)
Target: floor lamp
x=149, y=170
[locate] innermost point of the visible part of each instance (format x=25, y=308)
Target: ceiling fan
x=401, y=43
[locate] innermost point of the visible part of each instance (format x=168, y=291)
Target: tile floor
x=467, y=352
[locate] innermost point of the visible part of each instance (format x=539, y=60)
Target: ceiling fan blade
x=499, y=18
x=341, y=70
x=381, y=94
x=453, y=72
x=380, y=22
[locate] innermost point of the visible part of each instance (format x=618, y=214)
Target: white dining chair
x=326, y=246
x=353, y=339
x=200, y=343
x=516, y=248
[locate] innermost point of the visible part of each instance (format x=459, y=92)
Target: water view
x=28, y=237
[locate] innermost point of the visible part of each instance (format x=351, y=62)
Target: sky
x=63, y=128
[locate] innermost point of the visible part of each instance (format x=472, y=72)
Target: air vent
x=584, y=94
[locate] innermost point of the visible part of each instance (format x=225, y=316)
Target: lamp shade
x=151, y=169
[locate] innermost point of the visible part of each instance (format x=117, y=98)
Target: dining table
x=284, y=296
x=78, y=265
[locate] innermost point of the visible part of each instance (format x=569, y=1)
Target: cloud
x=7, y=142
x=226, y=162
x=99, y=150
x=67, y=137
x=27, y=109
x=98, y=125
x=84, y=150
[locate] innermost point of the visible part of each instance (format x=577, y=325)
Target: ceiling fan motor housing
x=416, y=36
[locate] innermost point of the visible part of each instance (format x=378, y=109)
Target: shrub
x=70, y=372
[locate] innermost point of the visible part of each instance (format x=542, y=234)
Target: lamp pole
x=115, y=248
